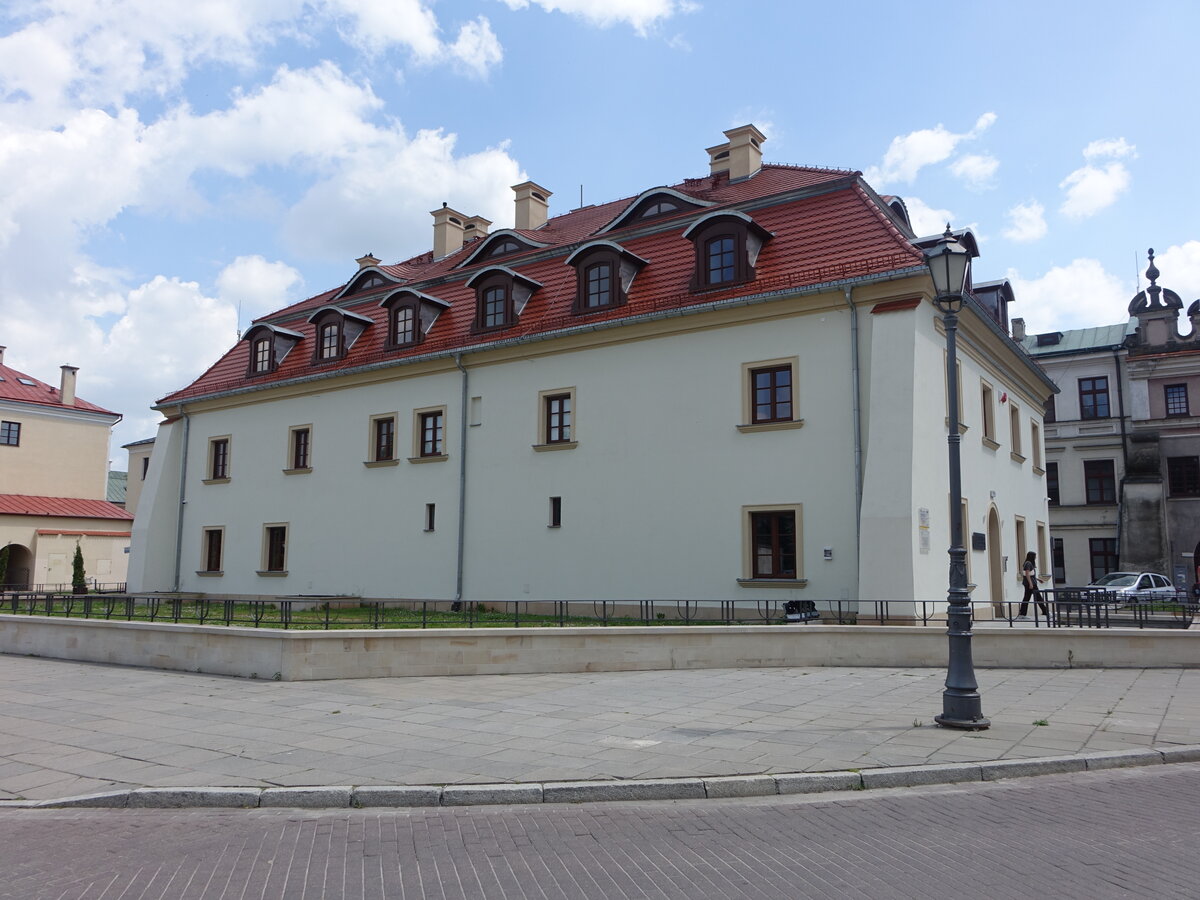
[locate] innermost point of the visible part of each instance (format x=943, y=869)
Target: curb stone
x=728, y=786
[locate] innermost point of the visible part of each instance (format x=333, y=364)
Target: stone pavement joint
x=408, y=796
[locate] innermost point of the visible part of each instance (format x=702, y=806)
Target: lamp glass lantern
x=948, y=261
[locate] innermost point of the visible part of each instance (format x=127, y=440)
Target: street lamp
x=949, y=262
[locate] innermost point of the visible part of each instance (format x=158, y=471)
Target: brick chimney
x=66, y=391
x=447, y=231
x=1018, y=330
x=740, y=156
x=533, y=205
x=369, y=260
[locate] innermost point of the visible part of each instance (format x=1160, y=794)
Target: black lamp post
x=948, y=263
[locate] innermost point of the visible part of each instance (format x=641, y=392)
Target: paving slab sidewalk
x=71, y=728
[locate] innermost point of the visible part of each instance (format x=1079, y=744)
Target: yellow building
x=53, y=484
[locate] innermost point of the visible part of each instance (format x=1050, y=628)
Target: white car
x=1136, y=586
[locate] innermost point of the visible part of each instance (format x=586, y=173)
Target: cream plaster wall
x=63, y=453
x=104, y=557
x=133, y=487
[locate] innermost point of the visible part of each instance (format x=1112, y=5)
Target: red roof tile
x=826, y=228
x=68, y=507
x=39, y=392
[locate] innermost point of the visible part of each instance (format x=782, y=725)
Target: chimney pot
x=1018, y=329
x=66, y=392
x=533, y=205
x=476, y=227
x=2, y=349
x=447, y=231
x=369, y=260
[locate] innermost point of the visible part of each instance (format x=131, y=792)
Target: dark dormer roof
x=964, y=236
x=371, y=278
x=485, y=246
x=626, y=216
x=396, y=296
x=277, y=330
x=699, y=223
x=608, y=245
x=504, y=270
x=329, y=307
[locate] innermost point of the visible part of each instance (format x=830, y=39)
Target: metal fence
x=1064, y=608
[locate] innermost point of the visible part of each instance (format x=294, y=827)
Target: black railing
x=1066, y=607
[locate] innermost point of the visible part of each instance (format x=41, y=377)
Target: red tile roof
x=66, y=507
x=39, y=392
x=826, y=226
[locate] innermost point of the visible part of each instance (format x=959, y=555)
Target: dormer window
x=336, y=332
x=500, y=244
x=261, y=355
x=604, y=272
x=503, y=248
x=727, y=246
x=410, y=316
x=655, y=208
x=500, y=296
x=268, y=345
x=653, y=204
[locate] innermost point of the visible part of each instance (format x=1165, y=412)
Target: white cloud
x=976, y=170
x=256, y=287
x=925, y=219
x=1079, y=295
x=477, y=47
x=1094, y=187
x=1027, y=222
x=1180, y=268
x=910, y=153
x=642, y=15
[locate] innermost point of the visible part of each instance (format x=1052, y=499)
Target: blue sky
x=167, y=166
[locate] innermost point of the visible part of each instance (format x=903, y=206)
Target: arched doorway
x=20, y=562
x=995, y=563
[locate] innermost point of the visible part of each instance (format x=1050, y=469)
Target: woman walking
x=1029, y=577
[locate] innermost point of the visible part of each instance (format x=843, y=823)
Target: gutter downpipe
x=857, y=413
x=462, y=484
x=187, y=426
x=1124, y=448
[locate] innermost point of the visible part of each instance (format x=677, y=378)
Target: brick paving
x=74, y=728
x=1127, y=833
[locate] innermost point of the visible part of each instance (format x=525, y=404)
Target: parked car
x=1136, y=586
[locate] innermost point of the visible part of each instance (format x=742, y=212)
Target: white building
x=728, y=385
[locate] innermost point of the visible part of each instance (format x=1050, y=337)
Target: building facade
x=1122, y=442
x=54, y=484
x=729, y=388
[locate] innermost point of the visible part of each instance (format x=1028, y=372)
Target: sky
x=171, y=170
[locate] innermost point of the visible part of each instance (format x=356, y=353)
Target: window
x=558, y=419
x=1050, y=413
x=1103, y=556
x=1176, y=397
x=1022, y=546
x=773, y=544
x=726, y=249
x=382, y=449
x=431, y=433
x=274, y=550
x=1100, y=481
x=1093, y=397
x=403, y=325
x=218, y=460
x=503, y=248
x=771, y=390
x=494, y=313
x=555, y=513
x=261, y=355
x=214, y=541
x=430, y=514
x=1014, y=430
x=598, y=285
x=772, y=538
x=329, y=342
x=720, y=262
x=1052, y=483
x=1058, y=561
x=1035, y=445
x=10, y=434
x=988, y=415
x=145, y=466
x=654, y=208
x=500, y=295
x=603, y=273
x=300, y=449
x=1041, y=546
x=1183, y=476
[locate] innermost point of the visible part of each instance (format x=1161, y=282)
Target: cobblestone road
x=1119, y=834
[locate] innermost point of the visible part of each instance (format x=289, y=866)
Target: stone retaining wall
x=313, y=655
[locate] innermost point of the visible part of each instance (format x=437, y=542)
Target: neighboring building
x=117, y=488
x=139, y=466
x=1123, y=443
x=730, y=384
x=54, y=484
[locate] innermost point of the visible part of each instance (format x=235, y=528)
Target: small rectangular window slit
x=555, y=512
x=429, y=516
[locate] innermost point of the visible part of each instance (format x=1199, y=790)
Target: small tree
x=78, y=578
